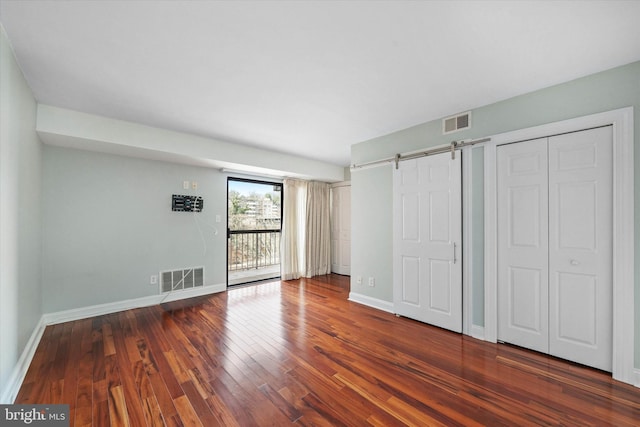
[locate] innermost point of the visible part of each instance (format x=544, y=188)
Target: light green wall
x=372, y=258
x=372, y=222
x=347, y=173
x=108, y=226
x=20, y=230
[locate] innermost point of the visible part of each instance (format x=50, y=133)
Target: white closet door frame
x=623, y=227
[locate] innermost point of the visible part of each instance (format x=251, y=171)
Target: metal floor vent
x=177, y=280
x=456, y=123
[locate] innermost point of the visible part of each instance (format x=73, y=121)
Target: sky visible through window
x=246, y=188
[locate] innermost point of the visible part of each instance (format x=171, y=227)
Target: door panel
x=345, y=231
x=440, y=297
x=439, y=215
x=524, y=296
x=335, y=254
x=345, y=256
x=410, y=280
x=427, y=232
x=522, y=244
x=576, y=300
x=580, y=247
x=341, y=230
x=576, y=215
x=524, y=216
x=410, y=217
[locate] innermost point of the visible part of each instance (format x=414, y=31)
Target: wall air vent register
x=178, y=280
x=456, y=123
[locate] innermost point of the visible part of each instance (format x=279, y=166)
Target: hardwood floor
x=299, y=353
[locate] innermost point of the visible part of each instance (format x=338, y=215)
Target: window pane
x=254, y=205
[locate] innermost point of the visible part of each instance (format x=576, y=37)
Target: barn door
x=427, y=267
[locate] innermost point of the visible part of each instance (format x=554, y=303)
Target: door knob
x=574, y=262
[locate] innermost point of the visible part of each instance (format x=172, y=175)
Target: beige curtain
x=317, y=230
x=292, y=243
x=305, y=244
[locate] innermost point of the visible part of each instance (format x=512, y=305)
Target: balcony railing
x=253, y=249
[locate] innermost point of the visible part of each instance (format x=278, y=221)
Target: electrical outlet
x=372, y=281
x=153, y=279
x=359, y=280
x=185, y=185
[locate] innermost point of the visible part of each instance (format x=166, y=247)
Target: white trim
x=194, y=292
x=490, y=245
x=636, y=374
x=623, y=246
x=371, y=302
x=623, y=227
x=113, y=307
x=10, y=392
x=477, y=332
x=98, y=310
x=467, y=247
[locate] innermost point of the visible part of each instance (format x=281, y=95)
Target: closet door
x=523, y=244
x=555, y=246
x=341, y=229
x=580, y=251
x=345, y=230
x=427, y=267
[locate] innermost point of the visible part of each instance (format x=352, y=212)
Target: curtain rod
x=451, y=148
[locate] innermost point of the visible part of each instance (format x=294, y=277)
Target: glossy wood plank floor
x=299, y=353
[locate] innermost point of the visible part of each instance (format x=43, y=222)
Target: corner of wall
x=20, y=218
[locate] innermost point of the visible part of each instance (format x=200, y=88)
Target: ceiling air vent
x=456, y=123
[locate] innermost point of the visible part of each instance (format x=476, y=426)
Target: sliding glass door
x=254, y=225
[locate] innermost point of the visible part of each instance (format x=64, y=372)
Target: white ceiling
x=309, y=78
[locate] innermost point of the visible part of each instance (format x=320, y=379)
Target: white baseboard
x=114, y=307
x=636, y=379
x=371, y=302
x=477, y=332
x=10, y=391
x=194, y=292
